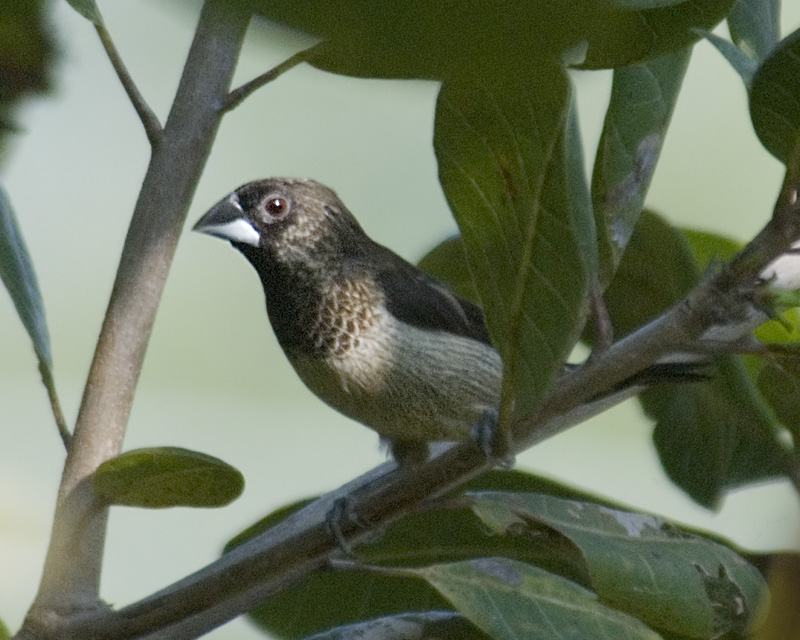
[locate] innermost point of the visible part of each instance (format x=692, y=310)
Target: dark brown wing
x=421, y=301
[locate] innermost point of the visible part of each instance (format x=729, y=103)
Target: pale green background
x=215, y=379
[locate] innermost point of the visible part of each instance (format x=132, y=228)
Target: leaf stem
x=237, y=96
x=55, y=405
x=150, y=122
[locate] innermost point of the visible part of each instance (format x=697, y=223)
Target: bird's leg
x=489, y=439
x=408, y=453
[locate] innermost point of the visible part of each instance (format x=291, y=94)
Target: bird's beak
x=228, y=221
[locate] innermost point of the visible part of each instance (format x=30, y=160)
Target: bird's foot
x=494, y=443
x=342, y=513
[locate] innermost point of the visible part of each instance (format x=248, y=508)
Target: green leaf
x=711, y=435
x=755, y=26
x=510, y=600
x=328, y=598
x=742, y=63
x=643, y=4
x=447, y=262
x=422, y=39
x=640, y=564
x=643, y=97
x=16, y=271
x=506, y=170
x=710, y=248
x=450, y=533
x=27, y=57
x=88, y=9
x=167, y=477
x=657, y=270
x=774, y=106
x=715, y=435
x=779, y=381
x=438, y=625
x=5, y=634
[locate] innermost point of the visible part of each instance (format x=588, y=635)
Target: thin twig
x=152, y=126
x=235, y=97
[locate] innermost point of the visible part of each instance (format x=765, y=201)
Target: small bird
x=369, y=333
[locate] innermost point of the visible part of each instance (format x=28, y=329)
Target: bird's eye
x=276, y=206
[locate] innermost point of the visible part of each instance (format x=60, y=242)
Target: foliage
x=539, y=245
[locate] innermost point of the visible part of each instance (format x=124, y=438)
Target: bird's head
x=288, y=220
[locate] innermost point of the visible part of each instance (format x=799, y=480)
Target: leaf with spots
x=510, y=600
x=638, y=563
x=433, y=625
x=643, y=97
x=510, y=164
x=755, y=26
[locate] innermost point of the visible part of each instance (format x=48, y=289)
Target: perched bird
x=369, y=333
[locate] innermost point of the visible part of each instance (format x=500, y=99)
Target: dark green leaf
x=167, y=477
x=656, y=270
x=27, y=54
x=642, y=100
x=774, y=104
x=510, y=600
x=325, y=599
x=671, y=579
x=712, y=435
x=755, y=26
x=435, y=625
x=16, y=271
x=779, y=381
x=743, y=64
x=710, y=248
x=446, y=534
x=422, y=39
x=643, y=4
x=447, y=261
x=88, y=9
x=507, y=171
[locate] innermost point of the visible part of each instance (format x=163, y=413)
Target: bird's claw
x=493, y=443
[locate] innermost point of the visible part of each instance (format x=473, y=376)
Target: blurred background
x=215, y=379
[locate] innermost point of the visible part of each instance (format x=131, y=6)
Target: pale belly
x=414, y=385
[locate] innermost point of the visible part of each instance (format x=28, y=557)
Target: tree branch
x=72, y=569
x=303, y=542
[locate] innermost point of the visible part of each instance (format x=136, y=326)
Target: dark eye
x=276, y=206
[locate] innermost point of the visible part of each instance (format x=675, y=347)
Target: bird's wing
x=419, y=300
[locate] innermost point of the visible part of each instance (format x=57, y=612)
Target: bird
x=369, y=333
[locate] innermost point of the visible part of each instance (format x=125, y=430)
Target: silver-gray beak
x=228, y=221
